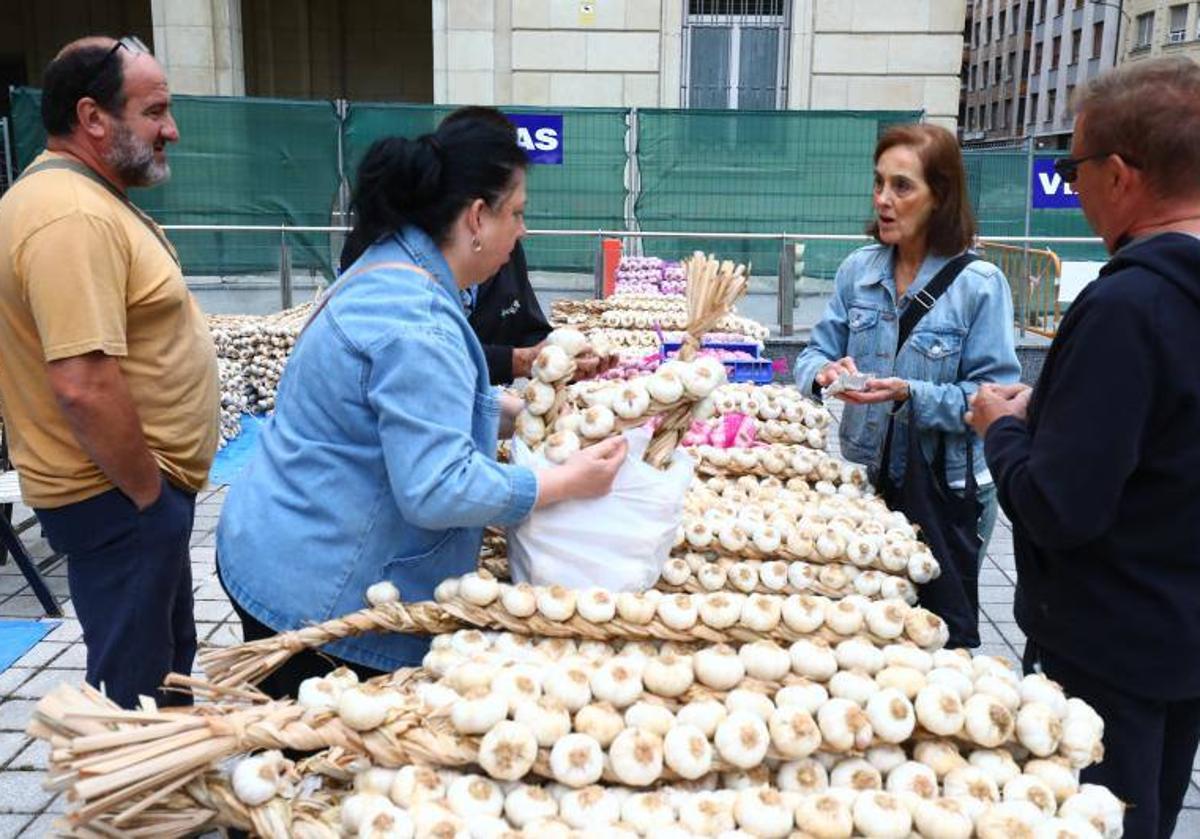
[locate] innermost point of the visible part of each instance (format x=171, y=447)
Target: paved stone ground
x=27, y=810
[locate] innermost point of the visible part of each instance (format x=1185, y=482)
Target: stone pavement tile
x=207, y=611
x=11, y=583
x=12, y=678
x=22, y=792
x=34, y=756
x=45, y=681
x=994, y=648
x=42, y=654
x=57, y=805
x=11, y=744
x=23, y=606
x=210, y=589
x=14, y=714
x=75, y=658
x=43, y=825
x=1192, y=797
x=993, y=577
x=996, y=594
x=227, y=635
x=68, y=630
x=1188, y=826
x=14, y=825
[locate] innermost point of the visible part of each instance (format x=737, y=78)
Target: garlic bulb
x=803, y=614
x=703, y=376
x=545, y=717
x=597, y=423
x=1055, y=774
x=939, y=710
x=415, y=784
x=526, y=804
x=617, y=681
x=1030, y=789
x=256, y=779
x=600, y=721
x=762, y=812
x=856, y=774
x=687, y=752
x=360, y=809
x=813, y=659
x=844, y=726
x=825, y=816
x=854, y=685
x=707, y=814
x=718, y=666
x=470, y=796
x=925, y=629
x=539, y=397
x=561, y=446
x=720, y=610
x=765, y=660
x=997, y=764
x=1066, y=828
x=844, y=618
x=519, y=600
x=530, y=428
x=636, y=757
x=678, y=611
x=891, y=715
x=648, y=813
x=907, y=680
x=881, y=815
x=508, y=750
x=794, y=733
x=750, y=701
x=802, y=776
x=552, y=364
x=364, y=707
x=665, y=386
x=479, y=588
x=805, y=694
x=859, y=654
x=632, y=400
x=590, y=808
x=742, y=739
x=572, y=341
x=668, y=675
x=596, y=605
x=517, y=685
x=1038, y=688
x=650, y=717
x=972, y=786
x=478, y=711
x=576, y=761
x=913, y=778
x=318, y=693
x=555, y=603
x=384, y=591
x=569, y=685
x=1008, y=819
x=943, y=818
x=702, y=714
x=636, y=608
x=939, y=755
x=1096, y=806
x=987, y=722
x=386, y=822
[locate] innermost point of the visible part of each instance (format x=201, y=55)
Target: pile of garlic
x=827, y=473
x=783, y=414
x=559, y=420
x=251, y=354
x=422, y=801
x=693, y=572
x=748, y=518
x=713, y=616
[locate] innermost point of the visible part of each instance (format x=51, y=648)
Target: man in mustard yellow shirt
x=108, y=376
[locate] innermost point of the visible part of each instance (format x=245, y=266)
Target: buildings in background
x=1024, y=59
x=771, y=54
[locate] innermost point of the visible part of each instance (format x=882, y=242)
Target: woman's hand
x=830, y=371
x=587, y=474
x=877, y=390
x=510, y=406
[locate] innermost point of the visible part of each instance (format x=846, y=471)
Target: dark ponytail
x=427, y=182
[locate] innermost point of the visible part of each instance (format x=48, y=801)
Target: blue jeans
x=130, y=577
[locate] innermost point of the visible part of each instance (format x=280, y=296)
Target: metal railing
x=1033, y=273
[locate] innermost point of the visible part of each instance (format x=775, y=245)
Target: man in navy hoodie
x=1098, y=467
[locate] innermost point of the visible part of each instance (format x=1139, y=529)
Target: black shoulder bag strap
x=920, y=305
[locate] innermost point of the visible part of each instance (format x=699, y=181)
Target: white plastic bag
x=618, y=542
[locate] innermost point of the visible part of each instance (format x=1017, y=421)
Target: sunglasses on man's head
x=130, y=42
x=1067, y=168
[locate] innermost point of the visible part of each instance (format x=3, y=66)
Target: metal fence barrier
x=1032, y=272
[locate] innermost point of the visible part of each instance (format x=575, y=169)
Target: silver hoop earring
x=476, y=245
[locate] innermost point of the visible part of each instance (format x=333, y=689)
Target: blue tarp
x=232, y=459
x=19, y=637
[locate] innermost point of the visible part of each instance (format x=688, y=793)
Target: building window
x=970, y=119
x=736, y=54
x=1051, y=101
x=975, y=76
x=1020, y=113
x=1028, y=17
x=1038, y=49
x=1076, y=41
x=977, y=25
x=987, y=30
x=999, y=68
x=1012, y=26
x=1024, y=65
x=1041, y=10
x=1145, y=30
x=1033, y=103
x=1177, y=31
x=1055, y=52
x=1070, y=102
x=1097, y=39
x=1012, y=64
x=995, y=110
x=1078, y=4
x=1001, y=20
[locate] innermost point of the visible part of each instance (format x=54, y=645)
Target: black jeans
x=130, y=577
x=1149, y=746
x=285, y=681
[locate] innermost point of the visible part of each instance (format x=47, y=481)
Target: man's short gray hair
x=1148, y=113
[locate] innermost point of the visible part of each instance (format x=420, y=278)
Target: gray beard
x=133, y=160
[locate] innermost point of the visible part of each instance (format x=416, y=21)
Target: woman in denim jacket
x=922, y=221
x=379, y=462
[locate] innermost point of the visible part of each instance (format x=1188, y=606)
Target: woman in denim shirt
x=379, y=462
x=922, y=221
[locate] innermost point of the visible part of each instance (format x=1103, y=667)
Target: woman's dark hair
x=93, y=70
x=428, y=181
x=952, y=224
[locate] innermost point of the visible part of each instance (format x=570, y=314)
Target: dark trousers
x=285, y=681
x=130, y=577
x=1149, y=746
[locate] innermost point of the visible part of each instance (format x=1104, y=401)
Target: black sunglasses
x=130, y=42
x=1067, y=168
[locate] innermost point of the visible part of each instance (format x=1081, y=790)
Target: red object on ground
x=611, y=254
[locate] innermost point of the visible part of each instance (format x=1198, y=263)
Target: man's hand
x=877, y=390
x=588, y=365
x=830, y=371
x=522, y=360
x=993, y=401
x=92, y=392
x=510, y=405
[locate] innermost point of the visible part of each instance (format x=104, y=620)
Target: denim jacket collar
x=887, y=277
x=427, y=255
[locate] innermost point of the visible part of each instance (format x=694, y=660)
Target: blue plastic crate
x=751, y=347
x=761, y=371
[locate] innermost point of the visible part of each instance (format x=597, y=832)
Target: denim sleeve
x=421, y=387
x=988, y=355
x=829, y=337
